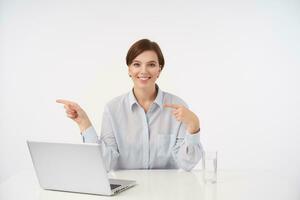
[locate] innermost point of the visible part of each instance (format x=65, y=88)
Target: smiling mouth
x=144, y=78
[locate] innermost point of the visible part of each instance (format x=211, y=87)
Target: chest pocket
x=165, y=143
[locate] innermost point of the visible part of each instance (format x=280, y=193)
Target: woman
x=146, y=128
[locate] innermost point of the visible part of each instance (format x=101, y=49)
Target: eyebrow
x=147, y=62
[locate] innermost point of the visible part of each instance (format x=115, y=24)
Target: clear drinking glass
x=209, y=166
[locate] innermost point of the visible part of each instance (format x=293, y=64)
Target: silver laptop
x=73, y=168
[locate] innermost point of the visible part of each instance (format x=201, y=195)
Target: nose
x=144, y=69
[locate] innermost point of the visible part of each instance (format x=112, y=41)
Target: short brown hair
x=144, y=45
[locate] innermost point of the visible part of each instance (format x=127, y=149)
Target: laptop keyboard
x=113, y=186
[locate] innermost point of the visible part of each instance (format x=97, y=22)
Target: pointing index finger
x=65, y=102
x=174, y=106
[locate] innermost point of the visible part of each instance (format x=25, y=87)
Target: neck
x=145, y=95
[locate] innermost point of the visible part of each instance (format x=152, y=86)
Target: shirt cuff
x=192, y=138
x=89, y=135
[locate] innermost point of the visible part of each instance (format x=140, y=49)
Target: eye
x=136, y=64
x=152, y=64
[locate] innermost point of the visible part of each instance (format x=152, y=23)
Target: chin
x=144, y=86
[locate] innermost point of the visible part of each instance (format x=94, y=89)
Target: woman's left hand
x=186, y=116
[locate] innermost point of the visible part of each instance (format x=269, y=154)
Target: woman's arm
x=188, y=149
x=107, y=140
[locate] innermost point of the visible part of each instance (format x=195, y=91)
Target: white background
x=236, y=63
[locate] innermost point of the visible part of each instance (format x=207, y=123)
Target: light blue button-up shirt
x=134, y=139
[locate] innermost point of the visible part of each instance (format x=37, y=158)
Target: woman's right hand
x=76, y=113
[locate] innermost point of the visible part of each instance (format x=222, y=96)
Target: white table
x=168, y=184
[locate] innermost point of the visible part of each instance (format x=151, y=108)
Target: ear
x=129, y=71
x=160, y=68
x=159, y=71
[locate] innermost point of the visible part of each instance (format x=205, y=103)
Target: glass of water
x=209, y=166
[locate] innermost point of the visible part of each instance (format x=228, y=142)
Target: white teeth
x=144, y=78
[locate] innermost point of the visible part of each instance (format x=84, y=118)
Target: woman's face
x=144, y=70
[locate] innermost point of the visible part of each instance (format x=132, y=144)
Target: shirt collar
x=159, y=97
x=132, y=99
x=158, y=100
